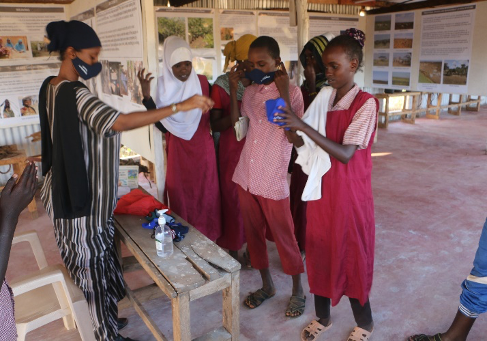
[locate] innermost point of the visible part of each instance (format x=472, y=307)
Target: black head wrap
x=63, y=34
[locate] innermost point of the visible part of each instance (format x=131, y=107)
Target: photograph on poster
x=134, y=88
x=7, y=109
x=123, y=81
x=226, y=33
x=404, y=21
x=430, y=72
x=114, y=71
x=382, y=41
x=383, y=22
x=14, y=47
x=39, y=47
x=403, y=40
x=203, y=66
x=455, y=72
x=105, y=77
x=380, y=77
x=381, y=59
x=170, y=27
x=401, y=78
x=29, y=105
x=401, y=59
x=200, y=33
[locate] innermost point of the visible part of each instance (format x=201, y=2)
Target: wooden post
x=303, y=28
x=458, y=110
x=437, y=107
x=231, y=306
x=180, y=317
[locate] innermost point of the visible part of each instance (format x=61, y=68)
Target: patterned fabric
x=262, y=168
x=224, y=82
x=317, y=46
x=473, y=300
x=8, y=330
x=86, y=243
x=358, y=35
x=363, y=122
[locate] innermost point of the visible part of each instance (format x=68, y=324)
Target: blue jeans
x=473, y=300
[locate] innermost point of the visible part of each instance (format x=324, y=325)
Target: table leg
x=180, y=318
x=231, y=307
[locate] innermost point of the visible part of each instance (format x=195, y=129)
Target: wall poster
x=446, y=49
x=24, y=61
x=393, y=50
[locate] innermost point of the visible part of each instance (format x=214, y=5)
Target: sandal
x=314, y=329
x=359, y=334
x=255, y=299
x=296, y=306
x=423, y=337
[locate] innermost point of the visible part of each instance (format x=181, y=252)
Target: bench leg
x=231, y=306
x=180, y=318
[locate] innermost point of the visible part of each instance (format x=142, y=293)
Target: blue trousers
x=473, y=300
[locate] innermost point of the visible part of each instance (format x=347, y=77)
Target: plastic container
x=163, y=236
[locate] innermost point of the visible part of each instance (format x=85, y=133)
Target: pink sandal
x=359, y=334
x=314, y=329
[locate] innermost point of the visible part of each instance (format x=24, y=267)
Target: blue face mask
x=86, y=71
x=260, y=77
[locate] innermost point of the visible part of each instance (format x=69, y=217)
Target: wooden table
x=18, y=164
x=197, y=268
x=416, y=96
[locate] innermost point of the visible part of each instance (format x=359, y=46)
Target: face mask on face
x=260, y=77
x=86, y=71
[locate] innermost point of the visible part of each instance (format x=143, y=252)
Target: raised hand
x=16, y=196
x=145, y=83
x=281, y=78
x=197, y=101
x=234, y=77
x=310, y=75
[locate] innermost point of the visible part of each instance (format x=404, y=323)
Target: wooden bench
x=197, y=268
x=454, y=107
x=17, y=161
x=404, y=113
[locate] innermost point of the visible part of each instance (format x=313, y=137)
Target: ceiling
x=380, y=6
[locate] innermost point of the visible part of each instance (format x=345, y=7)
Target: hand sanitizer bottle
x=163, y=237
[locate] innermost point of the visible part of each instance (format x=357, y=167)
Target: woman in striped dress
x=80, y=158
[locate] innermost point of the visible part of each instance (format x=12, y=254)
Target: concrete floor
x=429, y=189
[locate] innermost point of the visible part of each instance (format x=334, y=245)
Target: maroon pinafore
x=340, y=233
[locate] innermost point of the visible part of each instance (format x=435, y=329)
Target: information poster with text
x=24, y=61
x=393, y=50
x=321, y=24
x=446, y=49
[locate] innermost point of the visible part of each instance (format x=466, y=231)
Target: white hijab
x=171, y=90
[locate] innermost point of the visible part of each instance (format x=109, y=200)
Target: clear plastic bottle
x=163, y=236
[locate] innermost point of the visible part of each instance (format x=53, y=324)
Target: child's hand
x=310, y=75
x=281, y=78
x=290, y=119
x=145, y=83
x=16, y=196
x=234, y=77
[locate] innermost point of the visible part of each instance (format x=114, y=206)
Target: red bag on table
x=137, y=202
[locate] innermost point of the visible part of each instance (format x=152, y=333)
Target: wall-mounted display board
x=323, y=23
x=24, y=61
x=393, y=50
x=433, y=50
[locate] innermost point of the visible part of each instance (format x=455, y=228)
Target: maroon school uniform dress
x=192, y=178
x=340, y=226
x=233, y=234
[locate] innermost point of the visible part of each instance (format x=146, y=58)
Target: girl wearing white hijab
x=191, y=178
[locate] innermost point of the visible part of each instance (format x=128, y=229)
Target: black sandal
x=255, y=299
x=296, y=305
x=423, y=337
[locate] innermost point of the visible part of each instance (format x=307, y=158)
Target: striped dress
x=86, y=243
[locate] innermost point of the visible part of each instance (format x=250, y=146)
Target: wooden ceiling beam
x=352, y=2
x=417, y=5
x=37, y=2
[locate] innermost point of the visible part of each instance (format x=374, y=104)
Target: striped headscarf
x=317, y=46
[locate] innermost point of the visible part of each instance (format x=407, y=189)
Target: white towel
x=314, y=161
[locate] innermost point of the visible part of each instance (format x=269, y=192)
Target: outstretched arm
x=14, y=198
x=342, y=153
